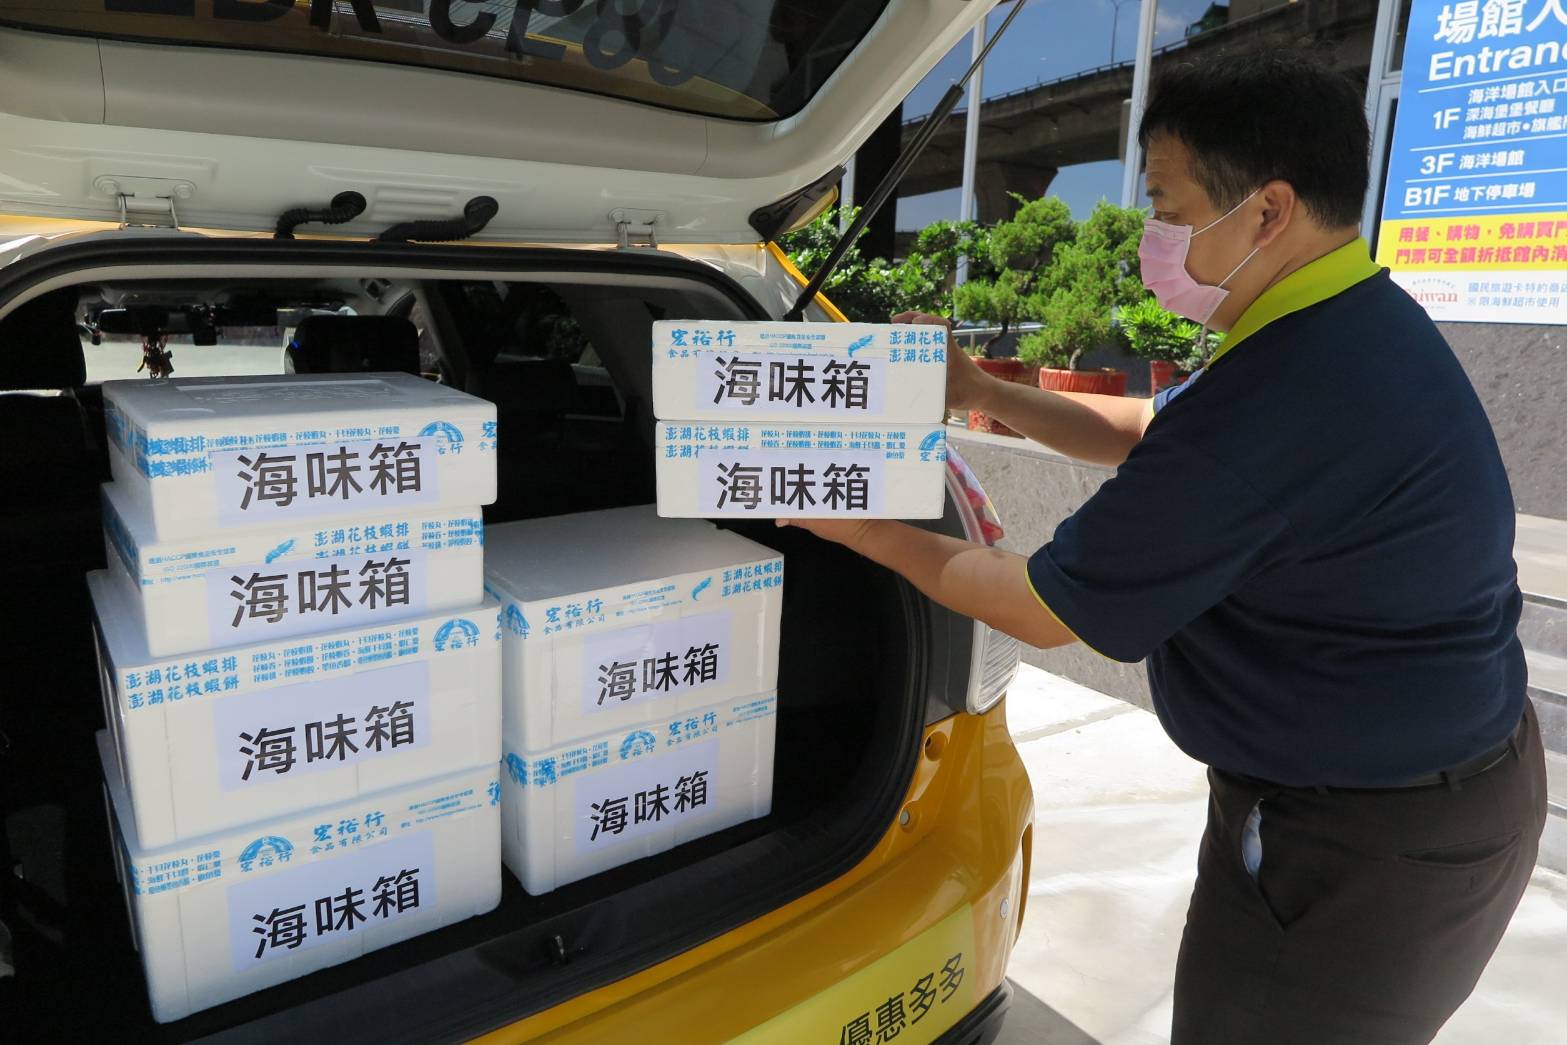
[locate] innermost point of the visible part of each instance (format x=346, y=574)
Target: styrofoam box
x=572, y=812
x=209, y=454
x=618, y=617
x=771, y=471
x=311, y=576
x=838, y=373
x=232, y=913
x=210, y=741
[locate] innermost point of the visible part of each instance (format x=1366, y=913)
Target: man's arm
x=984, y=583
x=1099, y=429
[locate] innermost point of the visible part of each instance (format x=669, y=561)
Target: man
x=1311, y=543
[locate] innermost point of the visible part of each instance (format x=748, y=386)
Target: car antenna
x=345, y=206
x=899, y=168
x=476, y=214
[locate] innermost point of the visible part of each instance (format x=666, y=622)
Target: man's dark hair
x=1252, y=118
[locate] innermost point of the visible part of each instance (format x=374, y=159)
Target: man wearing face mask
x=1310, y=541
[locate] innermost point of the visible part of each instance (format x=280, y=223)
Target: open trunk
x=559, y=340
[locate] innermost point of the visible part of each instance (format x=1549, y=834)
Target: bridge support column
x=995, y=181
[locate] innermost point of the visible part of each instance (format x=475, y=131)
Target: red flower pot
x=1006, y=369
x=1104, y=382
x=1161, y=374
x=979, y=421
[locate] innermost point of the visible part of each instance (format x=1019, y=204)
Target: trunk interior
x=559, y=341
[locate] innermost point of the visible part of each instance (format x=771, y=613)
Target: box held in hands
x=767, y=470
x=832, y=373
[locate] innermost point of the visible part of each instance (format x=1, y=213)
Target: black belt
x=1454, y=777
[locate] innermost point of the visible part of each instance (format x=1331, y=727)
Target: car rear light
x=996, y=654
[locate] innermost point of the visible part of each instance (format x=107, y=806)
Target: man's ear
x=1279, y=204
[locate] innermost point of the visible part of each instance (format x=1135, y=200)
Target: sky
x=1049, y=40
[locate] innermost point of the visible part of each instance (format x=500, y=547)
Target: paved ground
x=1542, y=556
x=1119, y=812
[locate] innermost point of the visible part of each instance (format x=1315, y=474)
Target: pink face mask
x=1162, y=252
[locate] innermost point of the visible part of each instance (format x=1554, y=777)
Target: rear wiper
x=900, y=167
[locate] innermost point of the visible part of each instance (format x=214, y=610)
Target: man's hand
x=967, y=384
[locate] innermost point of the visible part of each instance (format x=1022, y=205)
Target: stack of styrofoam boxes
x=639, y=702
x=301, y=673
x=804, y=420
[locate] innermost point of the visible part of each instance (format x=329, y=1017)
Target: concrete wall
x=1521, y=375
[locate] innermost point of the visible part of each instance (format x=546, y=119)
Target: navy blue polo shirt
x=1312, y=545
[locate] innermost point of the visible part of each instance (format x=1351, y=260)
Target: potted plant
x=1174, y=346
x=1076, y=320
x=1089, y=279
x=1169, y=342
x=928, y=276
x=1003, y=278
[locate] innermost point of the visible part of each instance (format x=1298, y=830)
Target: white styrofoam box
x=235, y=912
x=572, y=812
x=208, y=454
x=769, y=471
x=229, y=589
x=618, y=617
x=213, y=740
x=838, y=373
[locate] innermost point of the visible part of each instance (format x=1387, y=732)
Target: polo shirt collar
x=1312, y=283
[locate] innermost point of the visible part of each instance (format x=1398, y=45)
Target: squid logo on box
x=266, y=851
x=450, y=436
x=639, y=743
x=516, y=623
x=457, y=633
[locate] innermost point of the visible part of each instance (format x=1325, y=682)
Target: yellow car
x=184, y=183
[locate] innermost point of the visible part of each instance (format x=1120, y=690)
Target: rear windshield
x=745, y=59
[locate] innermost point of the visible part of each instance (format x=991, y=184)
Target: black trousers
x=1372, y=914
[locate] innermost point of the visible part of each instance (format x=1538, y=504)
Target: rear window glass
x=118, y=356
x=745, y=59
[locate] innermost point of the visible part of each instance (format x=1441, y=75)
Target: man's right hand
x=967, y=384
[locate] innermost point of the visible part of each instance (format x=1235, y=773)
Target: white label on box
x=619, y=804
x=737, y=385
x=260, y=485
x=328, y=900
x=286, y=598
x=654, y=660
x=278, y=734
x=805, y=483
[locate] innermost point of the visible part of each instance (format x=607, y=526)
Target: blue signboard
x=1474, y=222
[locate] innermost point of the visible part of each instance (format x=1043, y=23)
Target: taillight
x=996, y=654
x=980, y=521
